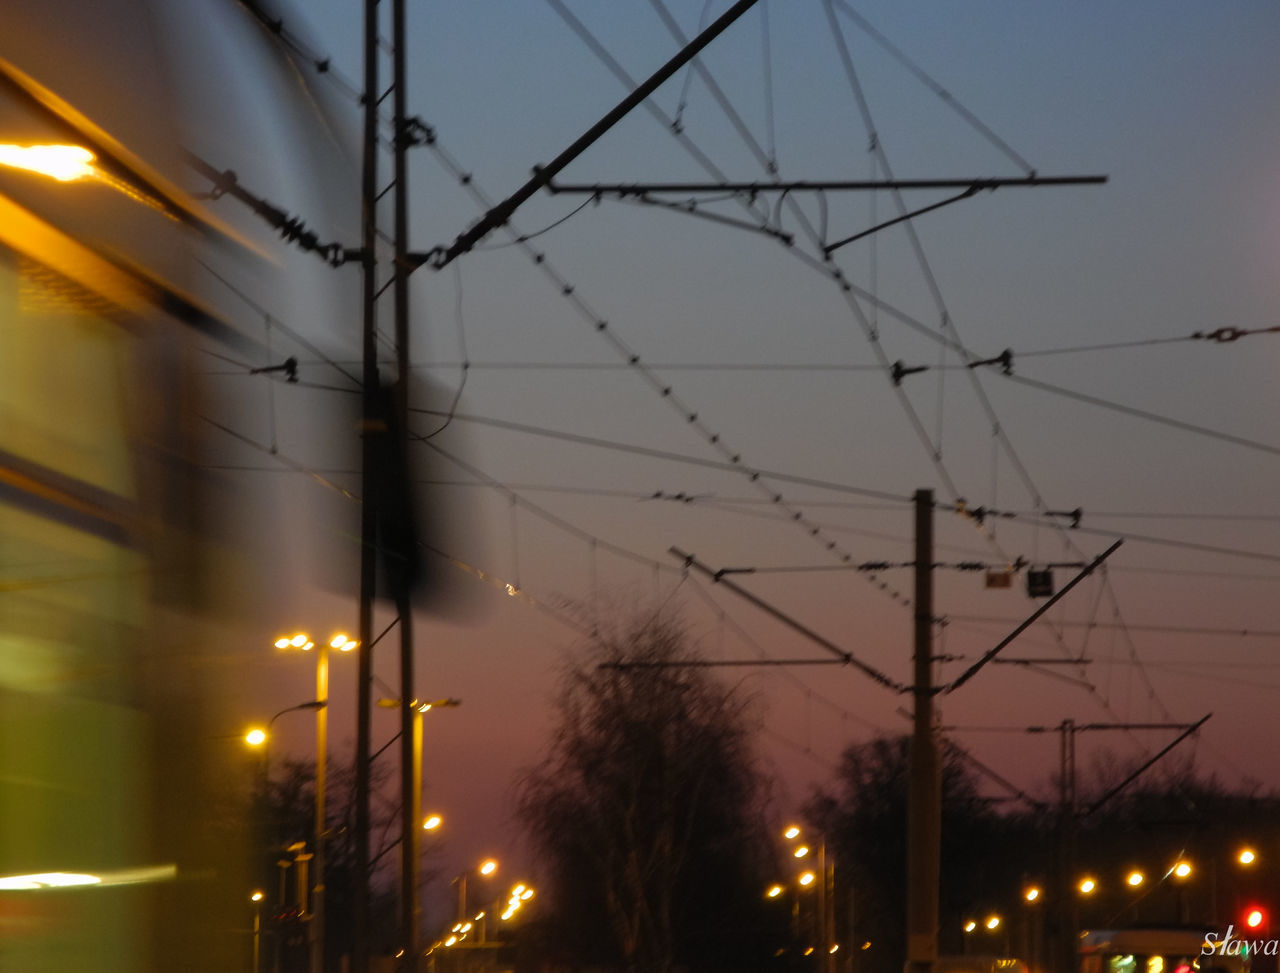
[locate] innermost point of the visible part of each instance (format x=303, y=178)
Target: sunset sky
x=1118, y=403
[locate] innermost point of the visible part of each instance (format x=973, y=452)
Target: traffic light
x=1255, y=917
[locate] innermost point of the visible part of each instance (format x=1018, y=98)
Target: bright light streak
x=47, y=880
x=65, y=163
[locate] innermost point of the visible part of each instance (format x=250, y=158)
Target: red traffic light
x=1254, y=917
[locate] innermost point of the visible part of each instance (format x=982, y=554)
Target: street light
x=343, y=644
x=1135, y=878
x=826, y=888
x=256, y=898
x=1087, y=886
x=412, y=814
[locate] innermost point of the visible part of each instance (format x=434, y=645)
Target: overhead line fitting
x=290, y=228
x=690, y=561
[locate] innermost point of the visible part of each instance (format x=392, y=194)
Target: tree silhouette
x=647, y=811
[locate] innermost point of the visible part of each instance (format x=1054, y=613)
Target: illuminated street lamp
x=774, y=891
x=256, y=898
x=992, y=923
x=1087, y=886
x=1181, y=869
x=1246, y=856
x=344, y=644
x=1134, y=879
x=486, y=868
x=431, y=822
x=1031, y=893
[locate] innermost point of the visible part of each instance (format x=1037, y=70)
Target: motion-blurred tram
x=121, y=848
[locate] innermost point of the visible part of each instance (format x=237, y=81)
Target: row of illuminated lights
x=806, y=878
x=519, y=895
x=1181, y=870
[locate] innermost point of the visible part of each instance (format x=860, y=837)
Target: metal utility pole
x=400, y=301
x=1066, y=911
x=368, y=524
x=924, y=795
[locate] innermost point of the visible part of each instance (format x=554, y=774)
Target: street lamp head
x=970, y=926
x=807, y=879
x=993, y=922
x=801, y=851
x=1135, y=878
x=256, y=896
x=488, y=867
x=431, y=822
x=1086, y=886
x=1247, y=856
x=256, y=737
x=791, y=833
x=1182, y=869
x=1031, y=894
x=774, y=891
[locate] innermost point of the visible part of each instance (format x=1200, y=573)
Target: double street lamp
x=341, y=643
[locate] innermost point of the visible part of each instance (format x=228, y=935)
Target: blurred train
x=122, y=842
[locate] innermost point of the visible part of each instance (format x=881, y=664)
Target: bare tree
x=647, y=808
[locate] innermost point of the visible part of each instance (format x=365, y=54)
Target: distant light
x=1087, y=885
x=478, y=916
x=801, y=851
x=807, y=879
x=488, y=866
x=526, y=895
x=809, y=951
x=451, y=940
x=298, y=641
x=432, y=822
x=993, y=922
x=1246, y=856
x=465, y=927
x=1135, y=879
x=65, y=163
x=1182, y=869
x=834, y=947
x=970, y=926
x=791, y=833
x=282, y=643
x=256, y=737
x=774, y=891
x=1031, y=894
x=257, y=896
x=867, y=944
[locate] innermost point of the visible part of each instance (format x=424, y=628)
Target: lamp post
x=412, y=820
x=256, y=898
x=343, y=644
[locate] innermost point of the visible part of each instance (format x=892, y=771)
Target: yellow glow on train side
x=65, y=163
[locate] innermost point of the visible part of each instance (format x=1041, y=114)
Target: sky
x=571, y=455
